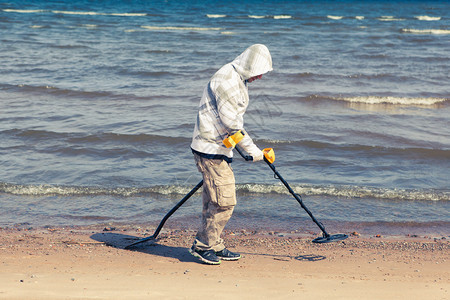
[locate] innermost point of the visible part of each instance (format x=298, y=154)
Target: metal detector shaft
x=296, y=196
x=167, y=216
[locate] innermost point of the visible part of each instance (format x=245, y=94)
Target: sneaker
x=226, y=254
x=207, y=256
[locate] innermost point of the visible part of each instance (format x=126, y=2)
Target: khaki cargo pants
x=219, y=200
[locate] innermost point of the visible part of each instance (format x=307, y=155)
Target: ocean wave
x=335, y=17
x=92, y=13
x=389, y=18
x=427, y=18
x=215, y=16
x=24, y=11
x=128, y=14
x=354, y=192
x=181, y=28
x=38, y=26
x=102, y=137
x=282, y=17
x=426, y=31
x=256, y=17
x=82, y=13
x=348, y=192
x=393, y=100
x=156, y=51
x=47, y=89
x=369, y=150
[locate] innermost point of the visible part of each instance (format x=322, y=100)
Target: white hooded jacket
x=224, y=102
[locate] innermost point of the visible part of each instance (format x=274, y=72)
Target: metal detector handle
x=269, y=155
x=246, y=157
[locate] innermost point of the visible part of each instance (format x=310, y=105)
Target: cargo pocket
x=225, y=185
x=226, y=194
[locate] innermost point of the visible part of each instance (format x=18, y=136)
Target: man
x=221, y=111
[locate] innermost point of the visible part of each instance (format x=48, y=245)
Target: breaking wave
x=354, y=192
x=426, y=31
x=52, y=90
x=24, y=11
x=211, y=16
x=282, y=17
x=427, y=18
x=83, y=13
x=389, y=18
x=393, y=100
x=256, y=17
x=334, y=17
x=181, y=28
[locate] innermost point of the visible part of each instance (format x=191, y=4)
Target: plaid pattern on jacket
x=225, y=100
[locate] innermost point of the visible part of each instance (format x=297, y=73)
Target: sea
x=98, y=101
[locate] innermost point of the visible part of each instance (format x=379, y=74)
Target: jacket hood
x=255, y=60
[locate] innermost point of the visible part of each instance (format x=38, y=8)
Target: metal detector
x=163, y=221
x=325, y=238
x=269, y=158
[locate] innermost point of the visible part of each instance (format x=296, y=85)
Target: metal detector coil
x=325, y=238
x=330, y=238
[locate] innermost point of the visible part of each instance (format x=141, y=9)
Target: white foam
x=393, y=100
x=181, y=28
x=310, y=190
x=345, y=191
x=335, y=17
x=215, y=16
x=36, y=26
x=359, y=17
x=256, y=17
x=227, y=32
x=427, y=18
x=389, y=18
x=128, y=14
x=84, y=13
x=93, y=13
x=24, y=11
x=282, y=17
x=426, y=31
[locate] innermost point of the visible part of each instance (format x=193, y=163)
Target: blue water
x=98, y=103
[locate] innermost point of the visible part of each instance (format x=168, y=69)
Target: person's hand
x=258, y=155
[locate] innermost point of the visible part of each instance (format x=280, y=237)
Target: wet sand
x=90, y=262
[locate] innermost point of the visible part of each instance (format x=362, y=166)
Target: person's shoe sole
x=209, y=262
x=229, y=258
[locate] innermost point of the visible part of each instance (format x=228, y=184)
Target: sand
x=90, y=263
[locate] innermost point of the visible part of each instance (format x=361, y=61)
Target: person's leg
x=219, y=200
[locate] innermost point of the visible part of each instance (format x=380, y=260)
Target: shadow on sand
x=120, y=241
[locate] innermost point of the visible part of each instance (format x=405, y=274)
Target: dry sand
x=90, y=263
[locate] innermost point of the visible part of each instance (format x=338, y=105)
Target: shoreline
x=90, y=262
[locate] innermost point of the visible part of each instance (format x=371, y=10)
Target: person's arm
x=231, y=115
x=249, y=146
